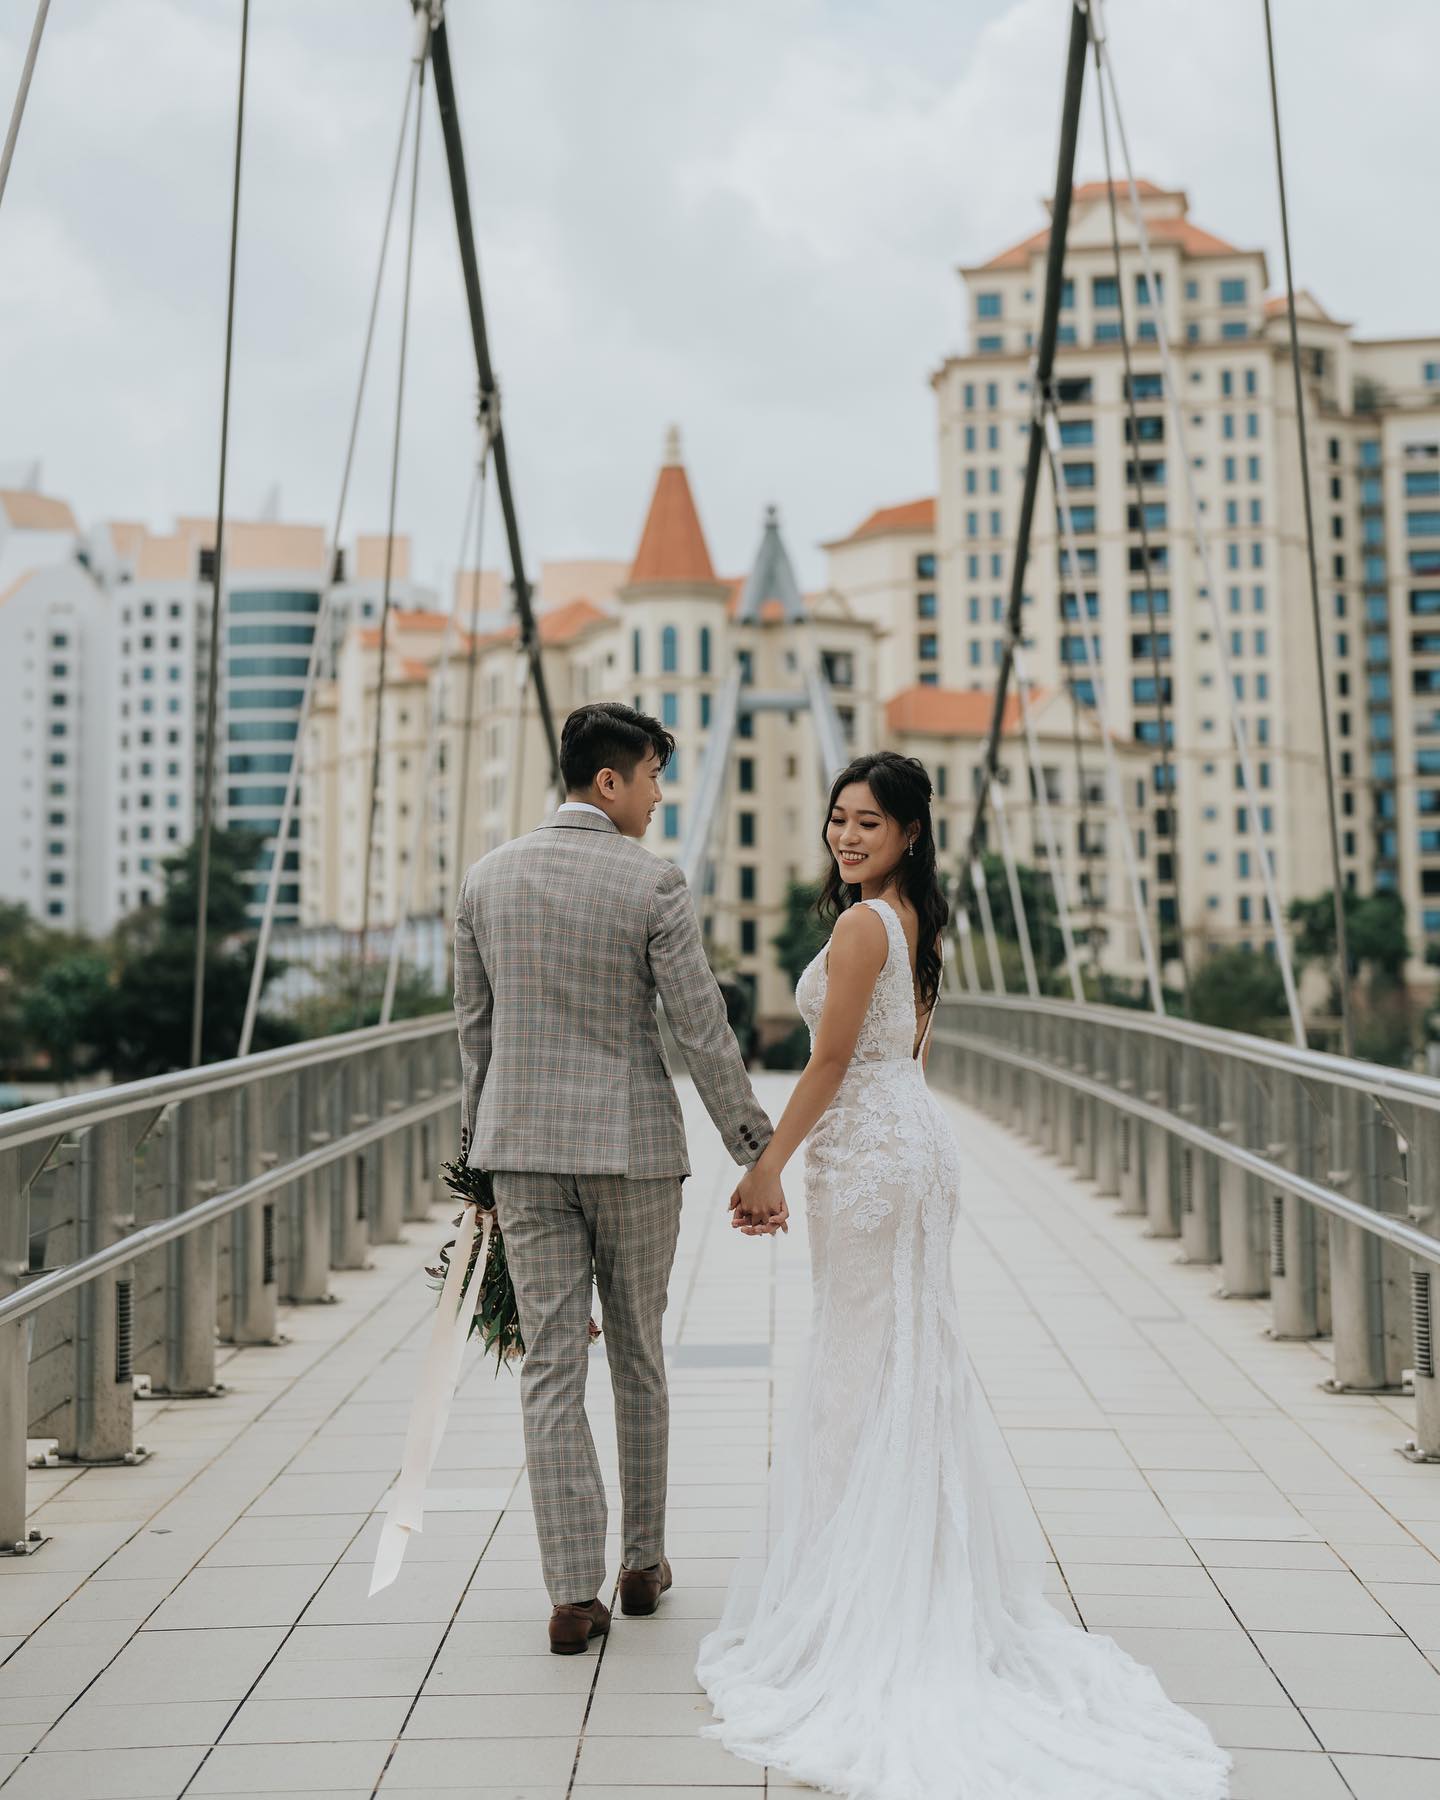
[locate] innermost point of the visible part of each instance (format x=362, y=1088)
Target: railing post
x=254, y=1293
x=349, y=1227
x=1161, y=1209
x=1357, y=1293
x=1132, y=1135
x=191, y=1288
x=1084, y=1040
x=1424, y=1190
x=1064, y=1097
x=389, y=1088
x=1031, y=1040
x=17, y=1170
x=1199, y=1211
x=1297, y=1237
x=308, y=1266
x=1104, y=1067
x=104, y=1307
x=1242, y=1236
x=420, y=1139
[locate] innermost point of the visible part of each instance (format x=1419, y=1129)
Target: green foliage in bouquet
x=497, y=1315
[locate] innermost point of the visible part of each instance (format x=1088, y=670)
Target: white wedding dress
x=898, y=1645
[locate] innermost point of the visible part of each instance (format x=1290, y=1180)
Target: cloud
x=744, y=216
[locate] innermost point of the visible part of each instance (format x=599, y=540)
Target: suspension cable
x=22, y=93
x=212, y=675
x=319, y=642
x=1203, y=549
x=474, y=506
x=1049, y=425
x=472, y=662
x=385, y=596
x=1082, y=810
x=987, y=924
x=1012, y=879
x=1053, y=858
x=1167, y=767
x=1347, y=1020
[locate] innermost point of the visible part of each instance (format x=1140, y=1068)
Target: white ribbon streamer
x=430, y=1409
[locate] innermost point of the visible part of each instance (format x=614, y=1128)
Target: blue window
x=1373, y=530
x=990, y=345
x=1147, y=334
x=969, y=437
x=1084, y=692
x=1147, y=387
x=925, y=565
x=268, y=699
x=1192, y=290
x=1257, y=555
x=1142, y=289
x=1107, y=331
x=1074, y=649
x=1252, y=468
x=987, y=306
x=972, y=567
x=1425, y=562
x=1155, y=516
x=1423, y=524
x=1105, y=291
x=1425, y=602
x=1232, y=292
x=972, y=524
x=283, y=600
x=974, y=653
x=669, y=650
x=1234, y=328
x=671, y=771
x=928, y=647
x=1079, y=474
x=972, y=481
x=994, y=481
x=1227, y=425
x=1075, y=432
x=1374, y=571
x=670, y=710
x=1432, y=374
x=671, y=819
x=1067, y=293
x=1070, y=606
x=925, y=606
x=1252, y=425
x=969, y=393
x=704, y=649
x=1065, y=334
x=1229, y=468
x=1147, y=731
x=705, y=710
x=1370, y=454
x=1139, y=607
x=293, y=667
x=635, y=650
x=265, y=731
x=1419, y=482
x=1082, y=518
x=1192, y=333
x=270, y=634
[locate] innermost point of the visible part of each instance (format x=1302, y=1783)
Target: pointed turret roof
x=672, y=546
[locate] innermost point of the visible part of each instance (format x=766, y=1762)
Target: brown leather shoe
x=640, y=1589
x=572, y=1627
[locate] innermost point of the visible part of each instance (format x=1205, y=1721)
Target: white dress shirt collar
x=583, y=806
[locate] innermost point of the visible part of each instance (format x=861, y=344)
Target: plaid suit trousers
x=555, y=1226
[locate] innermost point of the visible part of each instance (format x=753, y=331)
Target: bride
x=897, y=1645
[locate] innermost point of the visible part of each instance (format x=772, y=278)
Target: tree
x=331, y=1007
x=803, y=934
x=1239, y=990
x=67, y=1014
x=29, y=951
x=155, y=965
x=1374, y=931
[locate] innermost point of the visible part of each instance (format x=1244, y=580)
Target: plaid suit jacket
x=562, y=940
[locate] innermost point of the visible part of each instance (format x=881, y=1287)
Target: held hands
x=757, y=1207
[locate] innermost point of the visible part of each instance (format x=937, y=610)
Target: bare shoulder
x=860, y=938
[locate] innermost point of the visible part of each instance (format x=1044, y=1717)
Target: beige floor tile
x=1372, y=1673
x=1390, y=1777
x=333, y=1719
x=677, y=1760
x=103, y=1774
x=508, y=1715
x=141, y=1724
x=254, y=1769
x=437, y=1764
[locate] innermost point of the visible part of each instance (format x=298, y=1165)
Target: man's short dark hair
x=606, y=735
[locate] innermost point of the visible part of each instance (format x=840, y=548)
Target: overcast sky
x=741, y=215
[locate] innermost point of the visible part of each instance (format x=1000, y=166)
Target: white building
x=55, y=738
x=1373, y=435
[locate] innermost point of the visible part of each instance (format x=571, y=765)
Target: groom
x=562, y=940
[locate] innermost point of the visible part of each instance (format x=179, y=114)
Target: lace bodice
x=887, y=1032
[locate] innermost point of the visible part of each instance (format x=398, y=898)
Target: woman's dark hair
x=606, y=735
x=902, y=792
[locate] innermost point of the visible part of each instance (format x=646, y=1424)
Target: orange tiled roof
x=953, y=712
x=165, y=558
x=29, y=511
x=672, y=546
x=910, y=515
x=127, y=535
x=1191, y=238
x=15, y=586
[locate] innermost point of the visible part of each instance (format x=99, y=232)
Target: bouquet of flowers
x=497, y=1314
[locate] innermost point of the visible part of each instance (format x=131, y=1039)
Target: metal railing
x=141, y=1225
x=1311, y=1179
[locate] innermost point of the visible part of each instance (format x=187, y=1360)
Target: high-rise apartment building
x=55, y=694
x=1374, y=447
